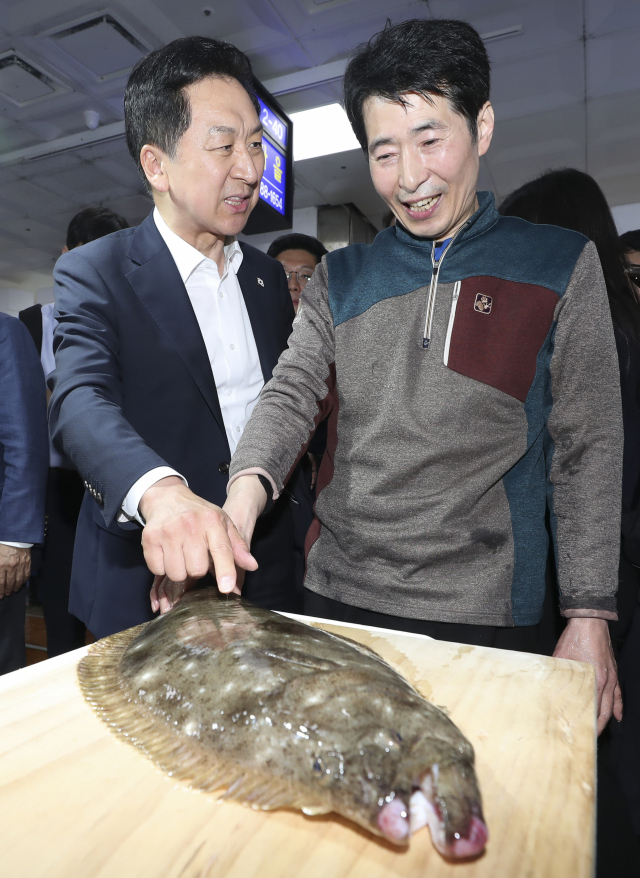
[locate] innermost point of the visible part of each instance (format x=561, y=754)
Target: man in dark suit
x=65, y=491
x=24, y=458
x=166, y=335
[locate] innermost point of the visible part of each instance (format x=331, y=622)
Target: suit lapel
x=157, y=283
x=260, y=310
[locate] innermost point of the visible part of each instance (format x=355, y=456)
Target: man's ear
x=153, y=161
x=65, y=249
x=485, y=122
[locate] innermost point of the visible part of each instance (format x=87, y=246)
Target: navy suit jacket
x=133, y=389
x=24, y=440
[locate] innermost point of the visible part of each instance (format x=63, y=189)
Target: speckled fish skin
x=289, y=707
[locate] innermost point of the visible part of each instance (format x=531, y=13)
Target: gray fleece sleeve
x=297, y=397
x=585, y=426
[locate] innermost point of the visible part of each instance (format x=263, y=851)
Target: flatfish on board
x=229, y=697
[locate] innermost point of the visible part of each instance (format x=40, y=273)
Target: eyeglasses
x=633, y=272
x=303, y=277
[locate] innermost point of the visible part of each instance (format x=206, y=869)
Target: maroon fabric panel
x=325, y=472
x=498, y=331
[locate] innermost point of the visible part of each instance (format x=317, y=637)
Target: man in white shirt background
x=51, y=563
x=166, y=335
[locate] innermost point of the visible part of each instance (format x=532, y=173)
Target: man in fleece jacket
x=468, y=367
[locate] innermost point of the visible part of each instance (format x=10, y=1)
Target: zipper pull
x=434, y=279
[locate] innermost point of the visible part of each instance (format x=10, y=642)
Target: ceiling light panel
x=102, y=45
x=322, y=131
x=23, y=83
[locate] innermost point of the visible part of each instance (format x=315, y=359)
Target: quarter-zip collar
x=481, y=221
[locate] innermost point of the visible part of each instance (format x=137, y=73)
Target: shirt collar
x=187, y=258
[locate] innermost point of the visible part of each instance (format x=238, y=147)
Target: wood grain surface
x=76, y=802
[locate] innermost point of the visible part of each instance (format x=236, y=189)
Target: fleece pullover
x=466, y=397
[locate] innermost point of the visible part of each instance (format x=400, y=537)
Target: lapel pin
x=260, y=281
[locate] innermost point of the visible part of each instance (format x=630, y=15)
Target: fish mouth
x=398, y=822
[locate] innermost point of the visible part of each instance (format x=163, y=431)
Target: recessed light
x=321, y=131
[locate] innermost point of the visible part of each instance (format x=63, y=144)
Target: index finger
x=222, y=558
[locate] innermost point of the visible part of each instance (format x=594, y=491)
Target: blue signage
x=274, y=179
x=272, y=124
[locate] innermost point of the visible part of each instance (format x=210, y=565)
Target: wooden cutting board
x=76, y=802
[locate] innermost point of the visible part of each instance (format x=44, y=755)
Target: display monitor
x=274, y=210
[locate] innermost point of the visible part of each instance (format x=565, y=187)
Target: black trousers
x=523, y=639
x=53, y=576
x=620, y=742
x=12, y=620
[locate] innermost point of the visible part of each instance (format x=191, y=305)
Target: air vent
x=102, y=45
x=22, y=83
x=501, y=34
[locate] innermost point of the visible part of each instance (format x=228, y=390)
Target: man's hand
x=245, y=502
x=165, y=592
x=15, y=568
x=185, y=536
x=587, y=640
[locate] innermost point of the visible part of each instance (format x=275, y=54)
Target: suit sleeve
x=297, y=397
x=23, y=436
x=85, y=413
x=585, y=427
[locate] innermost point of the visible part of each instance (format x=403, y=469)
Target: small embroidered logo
x=482, y=304
x=260, y=281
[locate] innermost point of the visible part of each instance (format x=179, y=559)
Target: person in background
x=65, y=489
x=573, y=200
x=23, y=480
x=299, y=254
x=167, y=333
x=90, y=224
x=630, y=243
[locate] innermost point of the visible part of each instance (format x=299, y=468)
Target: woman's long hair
x=573, y=200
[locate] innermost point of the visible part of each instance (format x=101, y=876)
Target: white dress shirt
x=222, y=315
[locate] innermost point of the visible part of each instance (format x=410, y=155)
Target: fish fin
x=361, y=647
x=267, y=794
x=181, y=758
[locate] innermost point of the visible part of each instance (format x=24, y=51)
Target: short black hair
x=431, y=57
x=296, y=241
x=92, y=223
x=156, y=109
x=630, y=241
